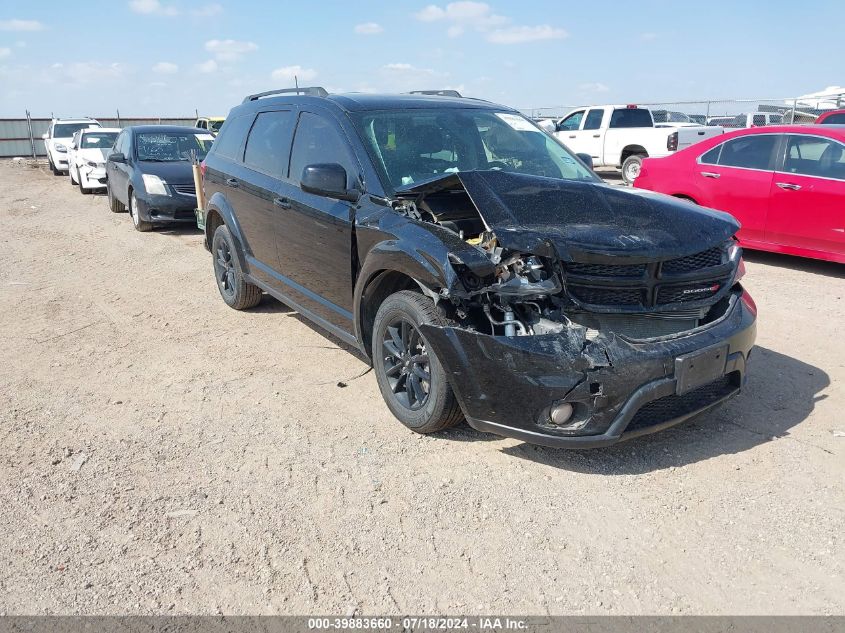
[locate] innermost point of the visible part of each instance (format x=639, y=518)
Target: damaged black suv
x=485, y=270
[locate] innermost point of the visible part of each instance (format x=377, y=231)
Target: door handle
x=710, y=174
x=233, y=182
x=571, y=136
x=788, y=185
x=596, y=135
x=282, y=203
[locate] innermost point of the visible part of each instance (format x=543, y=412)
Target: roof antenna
x=296, y=82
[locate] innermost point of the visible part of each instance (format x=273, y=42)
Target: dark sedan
x=149, y=172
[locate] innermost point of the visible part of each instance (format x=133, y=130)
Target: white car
x=87, y=155
x=58, y=137
x=621, y=136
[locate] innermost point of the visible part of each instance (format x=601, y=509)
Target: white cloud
x=21, y=25
x=165, y=68
x=368, y=28
x=5, y=52
x=152, y=7
x=229, y=50
x=521, y=34
x=287, y=73
x=648, y=37
x=463, y=14
x=209, y=66
x=208, y=11
x=479, y=16
x=86, y=72
x=408, y=69
x=594, y=87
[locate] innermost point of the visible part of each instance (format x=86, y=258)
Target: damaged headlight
x=155, y=185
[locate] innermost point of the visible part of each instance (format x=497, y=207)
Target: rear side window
x=815, y=156
x=711, y=157
x=594, y=118
x=758, y=120
x=230, y=140
x=317, y=141
x=630, y=117
x=750, y=152
x=268, y=145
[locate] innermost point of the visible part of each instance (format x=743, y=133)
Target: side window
x=758, y=119
x=750, y=152
x=229, y=142
x=815, y=156
x=835, y=119
x=268, y=144
x=572, y=122
x=201, y=125
x=594, y=118
x=317, y=140
x=711, y=157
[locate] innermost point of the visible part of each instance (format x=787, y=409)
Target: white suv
x=58, y=137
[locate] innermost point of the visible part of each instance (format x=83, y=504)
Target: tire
x=55, y=171
x=115, y=205
x=396, y=343
x=631, y=168
x=236, y=292
x=140, y=225
x=70, y=175
x=82, y=189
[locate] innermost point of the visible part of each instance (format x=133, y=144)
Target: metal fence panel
x=15, y=138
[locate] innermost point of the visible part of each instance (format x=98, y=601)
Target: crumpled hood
x=586, y=221
x=95, y=154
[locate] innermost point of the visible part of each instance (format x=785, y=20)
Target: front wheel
x=235, y=290
x=631, y=168
x=411, y=379
x=140, y=224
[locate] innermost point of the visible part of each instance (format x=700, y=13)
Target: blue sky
x=170, y=57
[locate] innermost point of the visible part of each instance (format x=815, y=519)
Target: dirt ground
x=162, y=453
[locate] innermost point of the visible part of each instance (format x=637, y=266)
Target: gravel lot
x=162, y=453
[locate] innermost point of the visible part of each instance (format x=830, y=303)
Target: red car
x=785, y=184
x=833, y=117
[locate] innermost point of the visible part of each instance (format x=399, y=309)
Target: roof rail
x=312, y=91
x=437, y=93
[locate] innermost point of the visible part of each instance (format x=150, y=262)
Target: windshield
x=98, y=140
x=172, y=146
x=66, y=130
x=412, y=146
x=215, y=126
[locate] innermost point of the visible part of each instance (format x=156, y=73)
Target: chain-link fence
x=727, y=113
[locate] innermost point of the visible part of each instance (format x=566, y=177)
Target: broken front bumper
x=619, y=388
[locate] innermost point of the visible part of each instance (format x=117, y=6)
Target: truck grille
x=695, y=278
x=674, y=406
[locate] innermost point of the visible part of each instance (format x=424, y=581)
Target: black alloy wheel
x=406, y=364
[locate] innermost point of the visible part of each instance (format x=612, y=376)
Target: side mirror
x=327, y=179
x=117, y=157
x=586, y=159
x=45, y=136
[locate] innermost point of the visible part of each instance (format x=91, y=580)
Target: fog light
x=561, y=413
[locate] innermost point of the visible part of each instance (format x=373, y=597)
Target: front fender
x=219, y=204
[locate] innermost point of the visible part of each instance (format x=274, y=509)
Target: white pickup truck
x=622, y=136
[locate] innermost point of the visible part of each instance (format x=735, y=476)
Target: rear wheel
x=235, y=290
x=409, y=374
x=631, y=168
x=140, y=224
x=115, y=205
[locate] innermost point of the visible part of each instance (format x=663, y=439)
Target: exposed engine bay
x=530, y=294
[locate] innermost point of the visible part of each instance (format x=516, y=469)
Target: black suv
x=485, y=270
